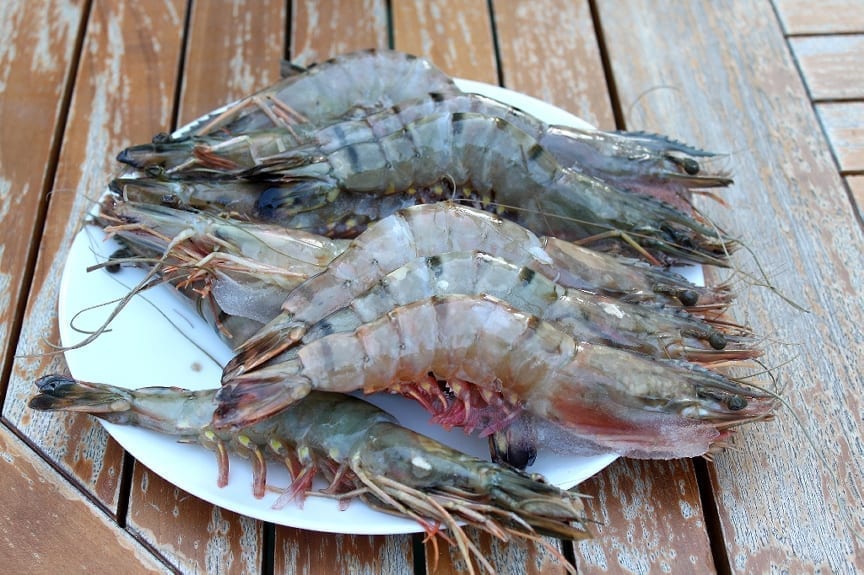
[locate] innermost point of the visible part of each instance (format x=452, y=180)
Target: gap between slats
x=815, y=102
x=42, y=207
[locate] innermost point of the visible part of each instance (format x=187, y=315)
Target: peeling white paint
x=10, y=25
x=53, y=22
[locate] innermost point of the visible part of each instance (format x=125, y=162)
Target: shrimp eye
x=736, y=403
x=122, y=253
x=690, y=166
x=717, y=340
x=688, y=297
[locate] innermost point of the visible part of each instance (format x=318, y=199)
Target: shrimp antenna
x=646, y=92
x=145, y=284
x=820, y=454
x=765, y=281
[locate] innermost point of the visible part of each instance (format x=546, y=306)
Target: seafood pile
x=401, y=235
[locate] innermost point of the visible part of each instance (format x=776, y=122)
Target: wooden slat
x=825, y=17
x=776, y=498
x=198, y=537
x=844, y=125
x=831, y=65
x=321, y=30
x=299, y=551
x=641, y=510
x=455, y=34
x=36, y=61
x=122, y=95
x=44, y=522
x=234, y=49
x=549, y=50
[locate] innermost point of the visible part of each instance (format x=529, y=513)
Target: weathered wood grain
x=44, y=522
x=831, y=65
x=233, y=49
x=193, y=535
x=844, y=126
x=549, y=50
x=456, y=35
x=737, y=89
x=123, y=94
x=648, y=520
x=856, y=186
x=313, y=553
x=321, y=30
x=826, y=17
x=36, y=54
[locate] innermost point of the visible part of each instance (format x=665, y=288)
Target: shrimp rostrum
x=358, y=448
x=610, y=399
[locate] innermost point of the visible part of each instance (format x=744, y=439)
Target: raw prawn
x=362, y=451
x=350, y=84
x=614, y=400
x=659, y=331
x=433, y=229
x=635, y=160
x=506, y=166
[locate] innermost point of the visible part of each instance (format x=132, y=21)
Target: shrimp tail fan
x=245, y=402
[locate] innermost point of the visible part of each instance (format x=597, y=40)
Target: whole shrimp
x=433, y=229
x=358, y=448
x=506, y=166
x=350, y=84
x=659, y=331
x=614, y=400
x=634, y=160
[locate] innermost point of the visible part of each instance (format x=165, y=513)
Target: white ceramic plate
x=158, y=339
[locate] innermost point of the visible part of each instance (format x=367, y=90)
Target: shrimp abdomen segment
x=477, y=339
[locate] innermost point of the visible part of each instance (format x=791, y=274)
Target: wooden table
x=777, y=86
